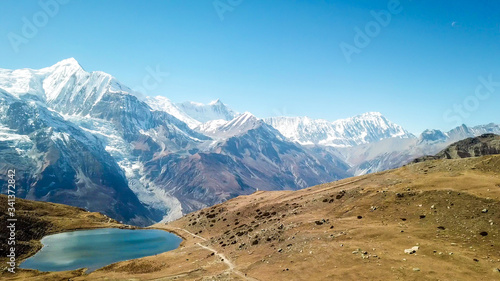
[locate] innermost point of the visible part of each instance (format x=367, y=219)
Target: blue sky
x=421, y=69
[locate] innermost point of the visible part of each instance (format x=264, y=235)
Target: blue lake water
x=97, y=248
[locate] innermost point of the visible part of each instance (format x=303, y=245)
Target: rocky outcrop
x=487, y=144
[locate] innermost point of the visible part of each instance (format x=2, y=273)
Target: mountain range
x=85, y=139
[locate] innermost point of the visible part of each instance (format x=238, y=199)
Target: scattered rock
x=484, y=211
x=416, y=269
x=412, y=250
x=483, y=233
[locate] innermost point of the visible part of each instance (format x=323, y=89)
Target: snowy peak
x=161, y=103
x=207, y=112
x=459, y=133
x=463, y=131
x=195, y=115
x=237, y=126
x=216, y=102
x=70, y=63
x=371, y=127
x=432, y=136
x=244, y=120
x=64, y=86
x=365, y=128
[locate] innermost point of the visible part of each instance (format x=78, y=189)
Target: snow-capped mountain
x=250, y=156
x=225, y=129
x=215, y=110
x=463, y=132
x=124, y=130
x=85, y=139
x=196, y=115
x=432, y=136
x=395, y=152
x=362, y=129
x=161, y=103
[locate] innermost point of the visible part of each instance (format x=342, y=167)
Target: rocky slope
x=487, y=144
x=251, y=155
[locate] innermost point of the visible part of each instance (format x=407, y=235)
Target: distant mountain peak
x=240, y=124
x=71, y=63
x=246, y=115
x=216, y=102
x=372, y=113
x=203, y=113
x=361, y=129
x=243, y=120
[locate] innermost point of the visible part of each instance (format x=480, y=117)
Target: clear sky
x=280, y=57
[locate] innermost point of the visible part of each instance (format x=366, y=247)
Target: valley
x=444, y=213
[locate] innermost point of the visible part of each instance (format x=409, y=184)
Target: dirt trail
x=232, y=267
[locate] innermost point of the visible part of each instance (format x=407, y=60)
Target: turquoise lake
x=97, y=248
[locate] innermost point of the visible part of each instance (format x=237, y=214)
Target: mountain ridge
x=166, y=157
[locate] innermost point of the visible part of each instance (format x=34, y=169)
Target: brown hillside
x=354, y=229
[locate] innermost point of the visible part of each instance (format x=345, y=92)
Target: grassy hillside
x=445, y=213
x=357, y=229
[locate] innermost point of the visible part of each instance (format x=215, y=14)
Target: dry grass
x=354, y=229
